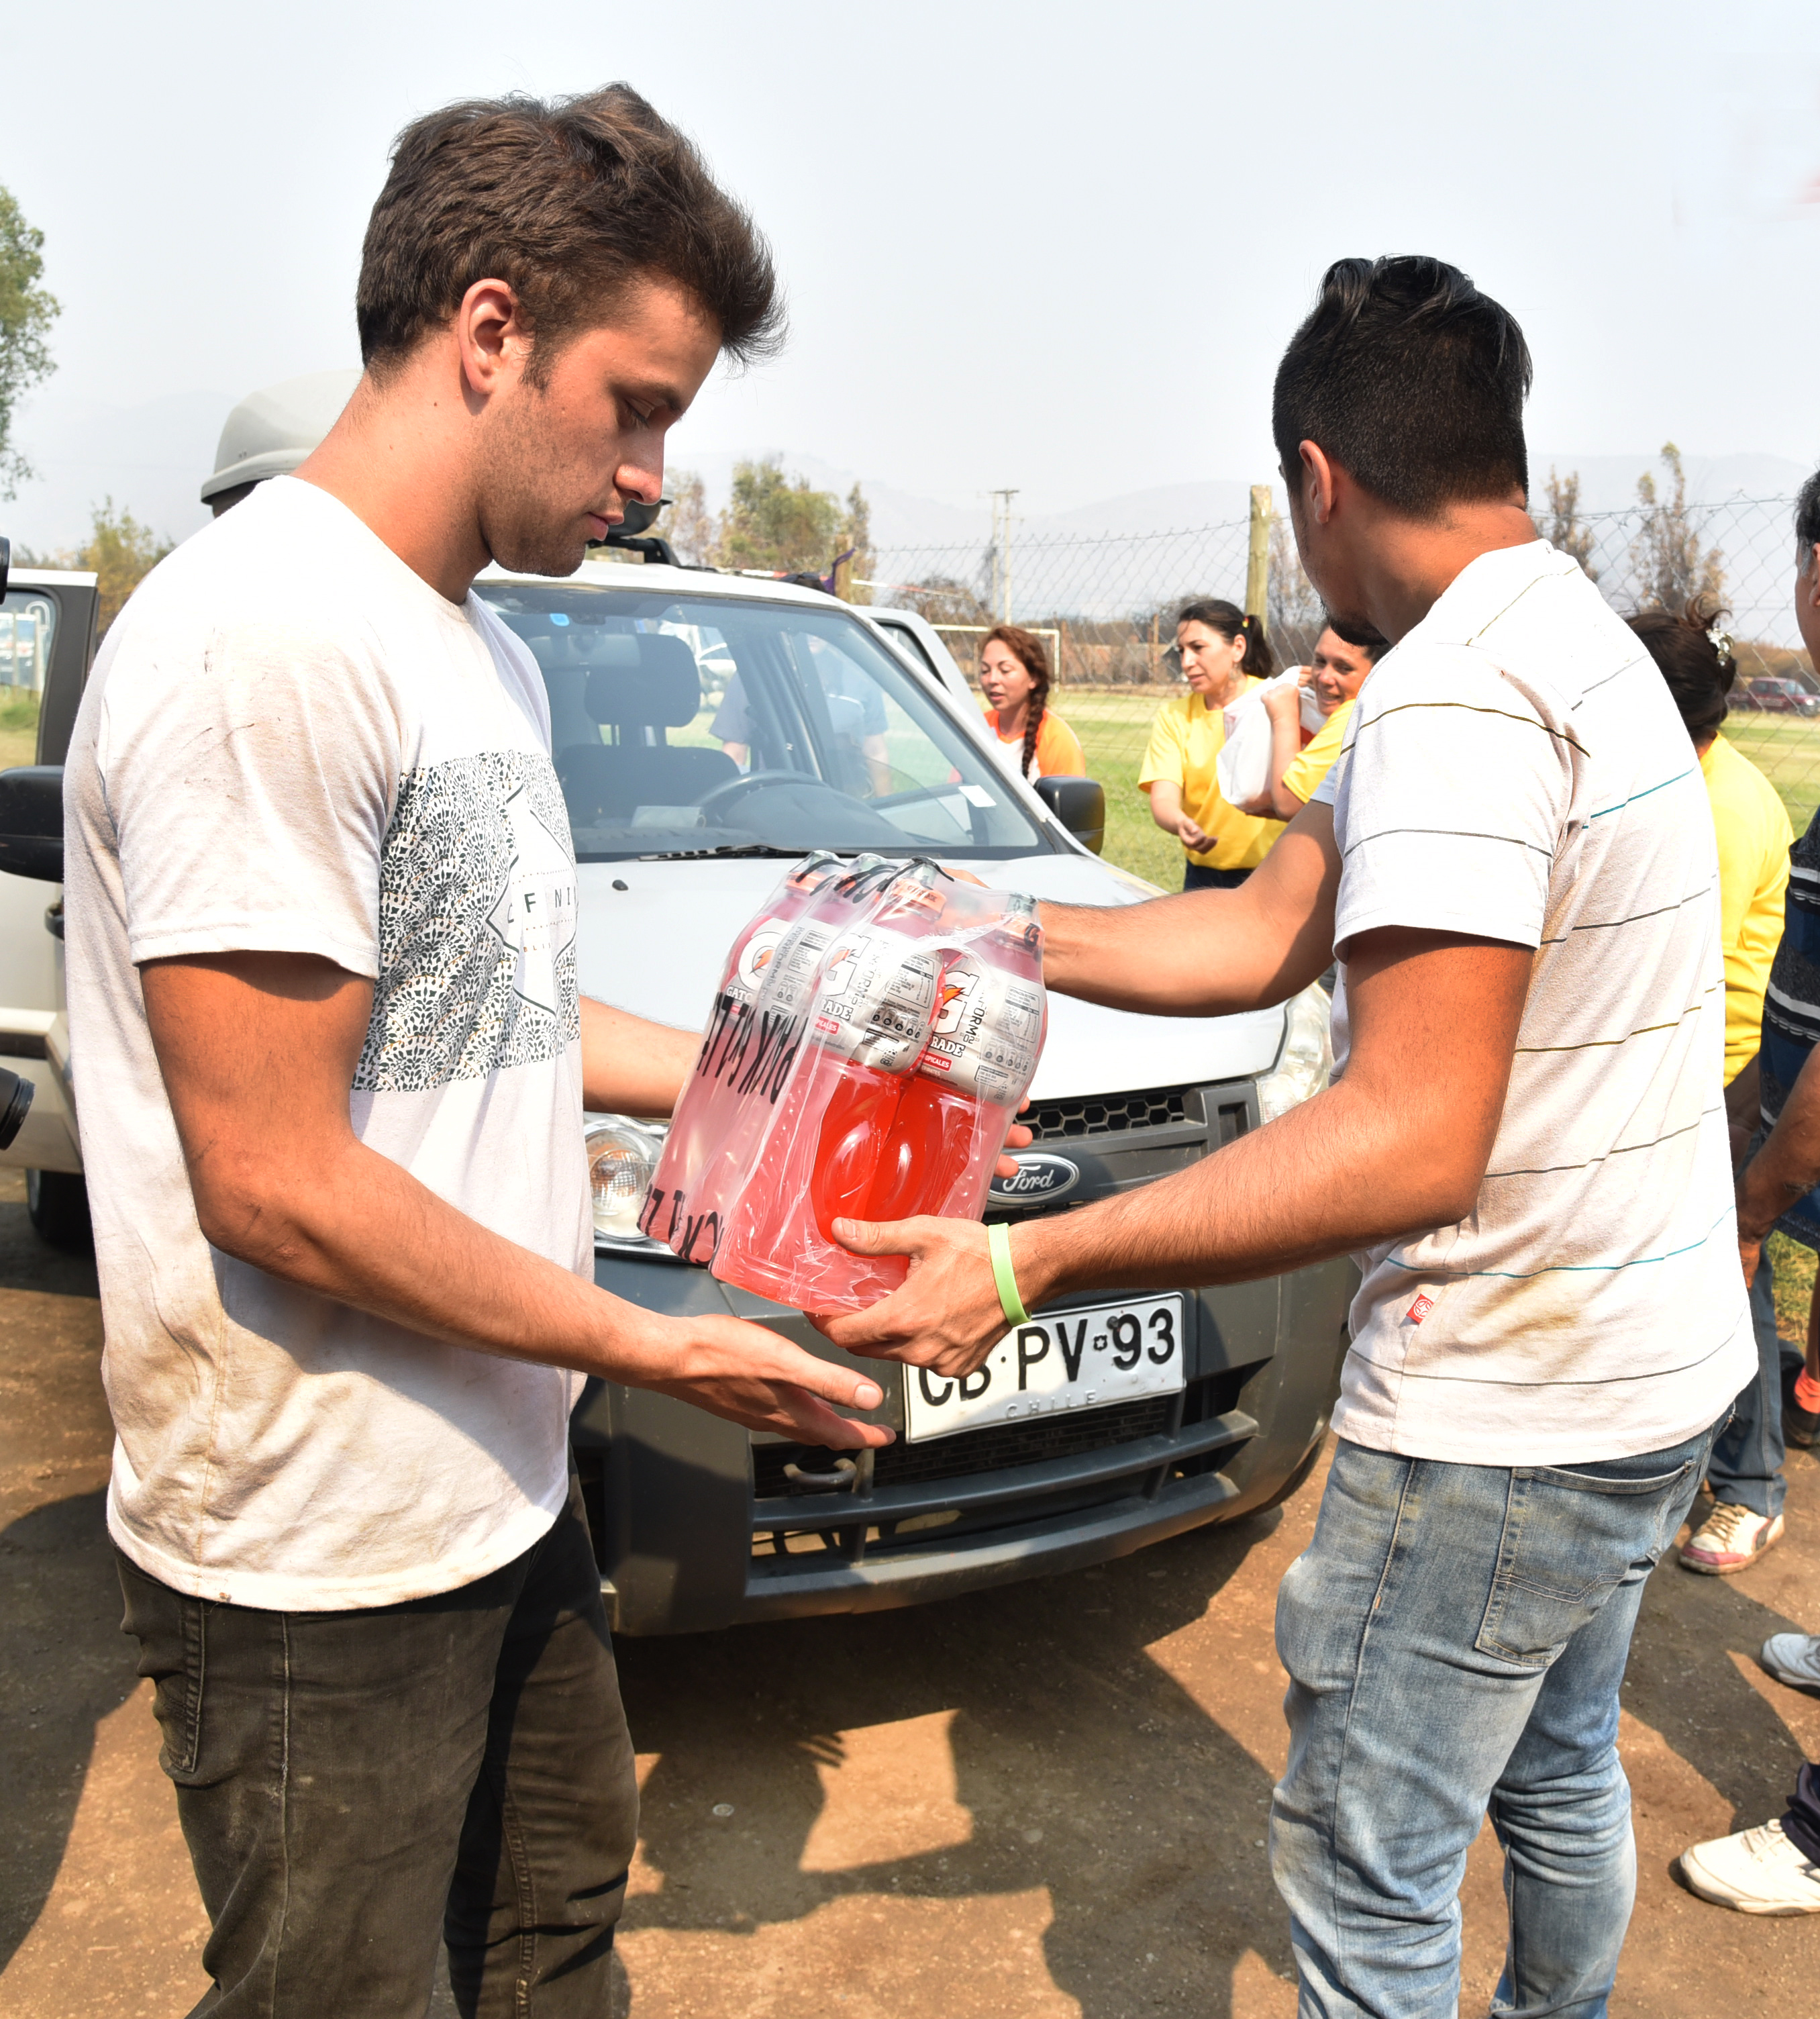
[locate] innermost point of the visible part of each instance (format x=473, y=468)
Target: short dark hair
x=1361, y=637
x=1232, y=622
x=1411, y=380
x=572, y=202
x=1699, y=673
x=1807, y=523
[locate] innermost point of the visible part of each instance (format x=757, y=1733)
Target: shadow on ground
x=1083, y=1769
x=66, y=1666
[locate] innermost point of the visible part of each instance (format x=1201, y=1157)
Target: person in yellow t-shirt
x=1343, y=657
x=1223, y=655
x=1752, y=828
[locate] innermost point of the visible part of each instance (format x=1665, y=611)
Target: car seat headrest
x=654, y=682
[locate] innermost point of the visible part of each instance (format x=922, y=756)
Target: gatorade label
x=875, y=1002
x=756, y=956
x=985, y=1039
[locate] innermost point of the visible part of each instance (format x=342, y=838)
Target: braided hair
x=1027, y=649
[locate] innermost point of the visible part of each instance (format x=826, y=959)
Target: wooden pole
x=1258, y=561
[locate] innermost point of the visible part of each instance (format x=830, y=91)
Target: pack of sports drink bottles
x=876, y=1030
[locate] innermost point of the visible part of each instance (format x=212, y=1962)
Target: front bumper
x=697, y=1528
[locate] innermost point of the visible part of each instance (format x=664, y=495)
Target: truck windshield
x=685, y=724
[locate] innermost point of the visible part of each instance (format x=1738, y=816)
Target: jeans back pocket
x=1570, y=1539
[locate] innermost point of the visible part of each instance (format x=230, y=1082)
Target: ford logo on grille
x=1040, y=1177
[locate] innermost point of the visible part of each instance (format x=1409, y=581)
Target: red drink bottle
x=706, y=1108
x=958, y=1106
x=873, y=1006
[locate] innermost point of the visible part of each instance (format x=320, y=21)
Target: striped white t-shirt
x=1515, y=769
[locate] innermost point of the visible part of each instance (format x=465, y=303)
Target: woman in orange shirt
x=1013, y=676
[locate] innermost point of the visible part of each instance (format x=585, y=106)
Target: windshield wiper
x=724, y=849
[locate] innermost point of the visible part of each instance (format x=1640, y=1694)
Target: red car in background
x=1775, y=696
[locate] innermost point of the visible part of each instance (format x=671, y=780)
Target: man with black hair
x=1774, y=1868
x=1524, y=1143
x=322, y=978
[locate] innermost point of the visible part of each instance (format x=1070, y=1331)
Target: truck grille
x=1108, y=1114
x=974, y=1451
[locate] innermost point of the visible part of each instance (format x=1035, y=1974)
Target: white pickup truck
x=707, y=729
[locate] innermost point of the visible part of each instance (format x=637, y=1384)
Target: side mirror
x=1079, y=803
x=31, y=821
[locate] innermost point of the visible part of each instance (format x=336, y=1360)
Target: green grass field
x=1786, y=749
x=1114, y=728
x=18, y=729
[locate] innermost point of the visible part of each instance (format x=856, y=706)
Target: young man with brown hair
x=322, y=985
x=1524, y=1143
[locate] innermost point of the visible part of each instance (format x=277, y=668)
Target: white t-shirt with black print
x=1515, y=770
x=292, y=742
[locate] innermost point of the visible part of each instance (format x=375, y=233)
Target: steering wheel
x=735, y=789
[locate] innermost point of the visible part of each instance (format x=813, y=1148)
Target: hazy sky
x=1058, y=245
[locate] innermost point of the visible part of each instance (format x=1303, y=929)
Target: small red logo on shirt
x=1418, y=1310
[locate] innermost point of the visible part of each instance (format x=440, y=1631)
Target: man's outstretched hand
x=946, y=1315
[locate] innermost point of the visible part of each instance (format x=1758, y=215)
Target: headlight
x=622, y=1160
x=1305, y=1064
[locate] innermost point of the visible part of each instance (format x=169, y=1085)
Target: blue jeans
x=1454, y=1636
x=1746, y=1467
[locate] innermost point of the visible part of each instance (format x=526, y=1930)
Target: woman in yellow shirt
x=1753, y=831
x=1336, y=673
x=1223, y=655
x=1014, y=676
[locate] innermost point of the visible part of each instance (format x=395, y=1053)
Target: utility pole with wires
x=1001, y=546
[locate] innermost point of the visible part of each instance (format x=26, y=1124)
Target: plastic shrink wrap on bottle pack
x=867, y=1066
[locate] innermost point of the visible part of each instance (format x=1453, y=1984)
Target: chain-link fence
x=1108, y=607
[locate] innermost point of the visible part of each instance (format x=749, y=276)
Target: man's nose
x=640, y=480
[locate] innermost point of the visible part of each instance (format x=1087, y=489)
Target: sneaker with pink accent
x=1730, y=1539
x=1756, y=1871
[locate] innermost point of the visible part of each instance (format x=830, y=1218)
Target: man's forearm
x=1328, y=1178
x=630, y=1066
x=357, y=1227
x=1209, y=952
x=1789, y=1163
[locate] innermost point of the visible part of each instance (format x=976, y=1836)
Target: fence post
x=1258, y=561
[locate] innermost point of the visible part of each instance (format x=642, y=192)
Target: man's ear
x=491, y=337
x=1317, y=486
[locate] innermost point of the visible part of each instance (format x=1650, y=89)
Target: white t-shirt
x=1515, y=769
x=292, y=742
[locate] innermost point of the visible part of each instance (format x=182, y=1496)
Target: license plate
x=1061, y=1361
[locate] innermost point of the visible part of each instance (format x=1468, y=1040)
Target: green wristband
x=998, y=1241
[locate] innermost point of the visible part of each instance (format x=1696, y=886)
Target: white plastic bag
x=1243, y=764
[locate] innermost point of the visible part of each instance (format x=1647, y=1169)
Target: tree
x=26, y=312
x=1565, y=529
x=1671, y=567
x=689, y=527
x=856, y=533
x=772, y=522
x=122, y=553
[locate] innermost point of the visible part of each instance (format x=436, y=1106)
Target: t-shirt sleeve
x=1451, y=804
x=1058, y=751
x=250, y=774
x=1310, y=765
x=1166, y=756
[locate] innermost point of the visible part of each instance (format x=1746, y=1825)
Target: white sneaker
x=1730, y=1538
x=1756, y=1871
x=1793, y=1658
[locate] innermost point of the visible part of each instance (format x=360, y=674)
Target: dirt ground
x=1043, y=1802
